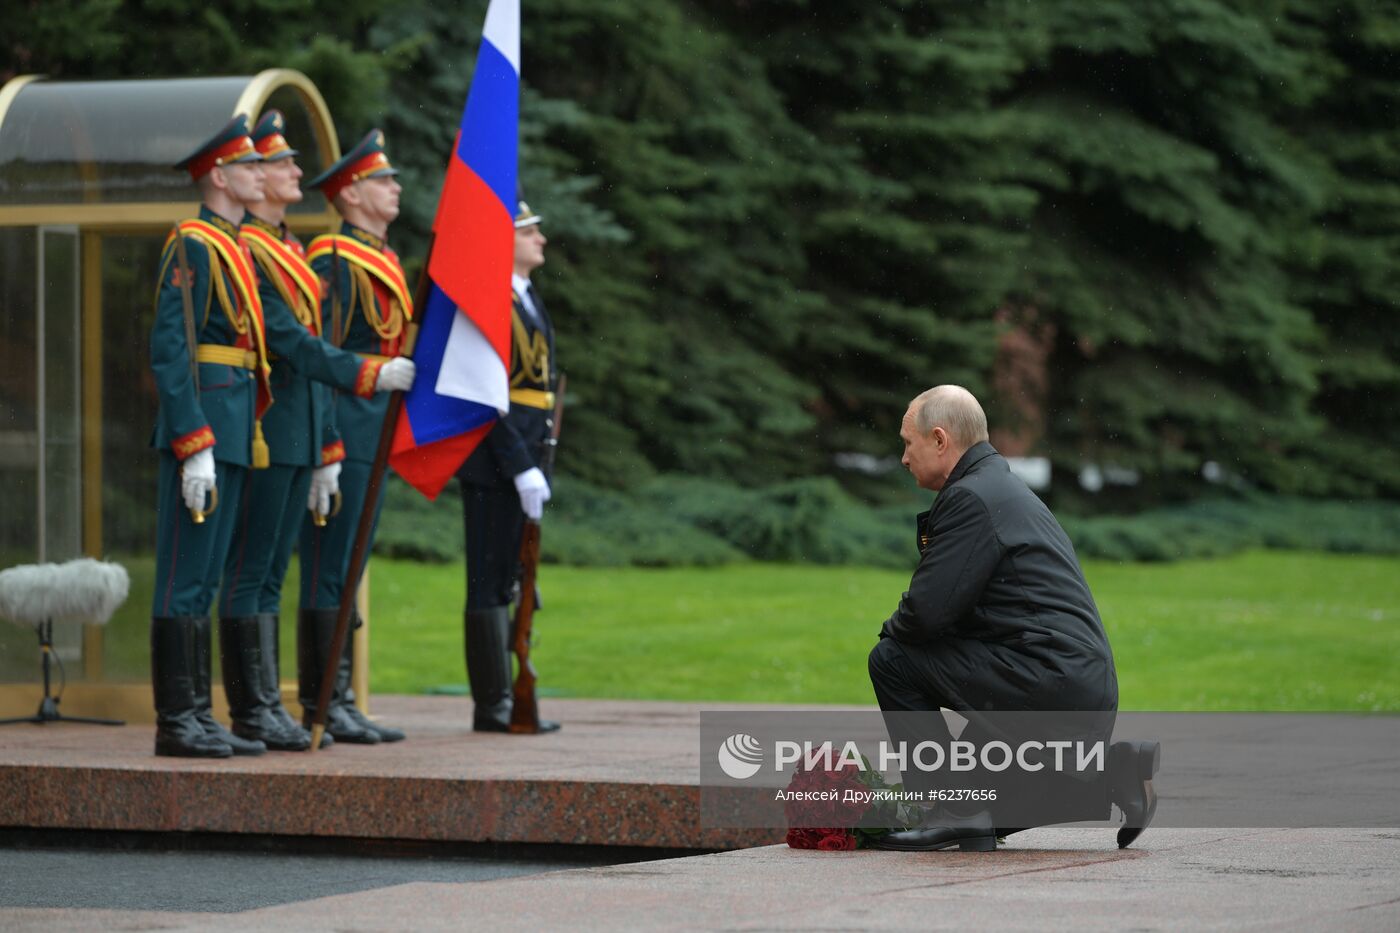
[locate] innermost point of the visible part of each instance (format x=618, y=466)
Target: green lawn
x=1263, y=630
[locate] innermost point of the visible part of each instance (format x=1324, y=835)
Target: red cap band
x=352, y=173
x=271, y=145
x=228, y=152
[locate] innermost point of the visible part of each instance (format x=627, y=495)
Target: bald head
x=954, y=409
x=938, y=428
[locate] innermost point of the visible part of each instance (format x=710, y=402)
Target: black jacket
x=998, y=600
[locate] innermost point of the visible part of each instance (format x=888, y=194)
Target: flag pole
x=359, y=554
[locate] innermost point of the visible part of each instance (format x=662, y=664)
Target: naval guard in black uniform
x=503, y=484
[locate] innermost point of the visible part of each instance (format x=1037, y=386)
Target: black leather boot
x=269, y=624
x=315, y=629
x=344, y=690
x=1132, y=765
x=489, y=668
x=179, y=732
x=248, y=651
x=203, y=648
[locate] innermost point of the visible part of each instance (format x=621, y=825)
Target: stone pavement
x=627, y=774
x=1293, y=879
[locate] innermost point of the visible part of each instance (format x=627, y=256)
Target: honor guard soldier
x=502, y=485
x=304, y=449
x=211, y=371
x=365, y=306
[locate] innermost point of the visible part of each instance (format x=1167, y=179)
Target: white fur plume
x=83, y=590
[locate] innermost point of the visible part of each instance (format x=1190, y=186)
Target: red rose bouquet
x=836, y=810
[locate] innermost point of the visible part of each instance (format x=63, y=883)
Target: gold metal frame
x=90, y=245
x=10, y=91
x=256, y=95
x=152, y=216
x=146, y=217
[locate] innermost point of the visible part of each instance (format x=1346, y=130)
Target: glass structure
x=87, y=196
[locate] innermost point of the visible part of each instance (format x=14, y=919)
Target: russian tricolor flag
x=463, y=348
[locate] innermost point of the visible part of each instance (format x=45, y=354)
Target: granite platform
x=617, y=774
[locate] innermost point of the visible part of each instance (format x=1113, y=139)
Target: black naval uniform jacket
x=517, y=441
x=998, y=604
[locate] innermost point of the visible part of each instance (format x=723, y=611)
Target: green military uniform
x=365, y=307
x=300, y=434
x=219, y=412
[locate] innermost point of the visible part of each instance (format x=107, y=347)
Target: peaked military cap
x=366, y=160
x=524, y=217
x=268, y=138
x=230, y=145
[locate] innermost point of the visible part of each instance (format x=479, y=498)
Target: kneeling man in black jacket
x=998, y=617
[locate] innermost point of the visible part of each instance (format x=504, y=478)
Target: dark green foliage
x=599, y=527
x=671, y=521
x=414, y=528
x=1112, y=172
x=1215, y=527
x=772, y=223
x=688, y=521
x=801, y=520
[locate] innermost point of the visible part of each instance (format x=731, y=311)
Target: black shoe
x=241, y=746
x=344, y=727
x=543, y=726
x=385, y=733
x=184, y=737
x=289, y=723
x=187, y=739
x=273, y=733
x=1134, y=765
x=974, y=833
x=495, y=725
x=176, y=686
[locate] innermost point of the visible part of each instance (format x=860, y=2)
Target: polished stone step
x=619, y=773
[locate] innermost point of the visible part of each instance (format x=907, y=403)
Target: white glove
x=534, y=492
x=197, y=479
x=396, y=375
x=325, y=483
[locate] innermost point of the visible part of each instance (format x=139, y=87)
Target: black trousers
x=910, y=688
x=903, y=687
x=494, y=524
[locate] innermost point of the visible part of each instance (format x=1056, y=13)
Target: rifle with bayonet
x=525, y=708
